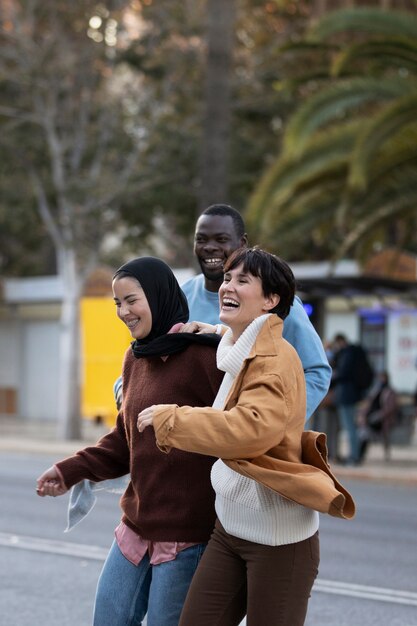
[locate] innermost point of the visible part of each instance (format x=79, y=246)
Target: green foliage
x=397, y=52
x=327, y=151
x=335, y=102
x=385, y=125
x=343, y=201
x=146, y=94
x=366, y=20
x=169, y=59
x=64, y=131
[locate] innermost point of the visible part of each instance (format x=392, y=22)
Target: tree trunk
x=217, y=117
x=69, y=422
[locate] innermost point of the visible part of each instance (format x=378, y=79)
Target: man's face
x=214, y=241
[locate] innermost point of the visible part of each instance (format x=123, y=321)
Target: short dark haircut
x=275, y=274
x=225, y=210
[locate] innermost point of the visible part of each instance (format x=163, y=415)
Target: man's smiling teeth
x=230, y=302
x=213, y=261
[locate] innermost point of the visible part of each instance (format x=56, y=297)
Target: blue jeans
x=127, y=592
x=347, y=413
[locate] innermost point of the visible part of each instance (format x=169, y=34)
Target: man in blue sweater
x=220, y=230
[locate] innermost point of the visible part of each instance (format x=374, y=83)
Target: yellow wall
x=104, y=339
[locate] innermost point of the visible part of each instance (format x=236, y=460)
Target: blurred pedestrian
x=352, y=377
x=378, y=414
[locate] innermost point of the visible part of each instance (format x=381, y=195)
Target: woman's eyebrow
x=129, y=295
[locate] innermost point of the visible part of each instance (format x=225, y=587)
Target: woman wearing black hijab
x=168, y=505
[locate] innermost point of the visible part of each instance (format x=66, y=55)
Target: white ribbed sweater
x=245, y=508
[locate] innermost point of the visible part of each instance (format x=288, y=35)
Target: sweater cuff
x=163, y=423
x=60, y=474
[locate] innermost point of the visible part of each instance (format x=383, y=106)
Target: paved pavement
x=33, y=437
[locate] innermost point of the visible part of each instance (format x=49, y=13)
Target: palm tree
x=346, y=177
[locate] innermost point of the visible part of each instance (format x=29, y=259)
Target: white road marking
x=379, y=594
x=53, y=547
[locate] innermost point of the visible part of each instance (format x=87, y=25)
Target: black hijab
x=168, y=306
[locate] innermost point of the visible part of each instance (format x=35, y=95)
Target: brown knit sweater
x=169, y=497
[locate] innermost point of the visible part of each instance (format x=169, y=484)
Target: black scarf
x=168, y=306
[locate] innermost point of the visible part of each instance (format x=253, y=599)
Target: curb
x=403, y=476
x=51, y=448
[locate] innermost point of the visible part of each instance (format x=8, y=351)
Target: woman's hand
x=199, y=328
x=145, y=418
x=50, y=483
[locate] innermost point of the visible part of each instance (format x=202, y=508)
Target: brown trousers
x=269, y=584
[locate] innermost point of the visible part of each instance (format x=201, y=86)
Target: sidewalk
x=40, y=437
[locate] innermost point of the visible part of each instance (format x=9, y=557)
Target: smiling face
x=132, y=306
x=242, y=300
x=214, y=241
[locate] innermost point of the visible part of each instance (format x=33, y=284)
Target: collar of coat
x=267, y=341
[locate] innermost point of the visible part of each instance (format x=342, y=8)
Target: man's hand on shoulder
x=200, y=328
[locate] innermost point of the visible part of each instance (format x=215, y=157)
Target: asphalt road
x=48, y=577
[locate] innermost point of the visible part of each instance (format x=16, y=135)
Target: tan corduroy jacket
x=260, y=433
